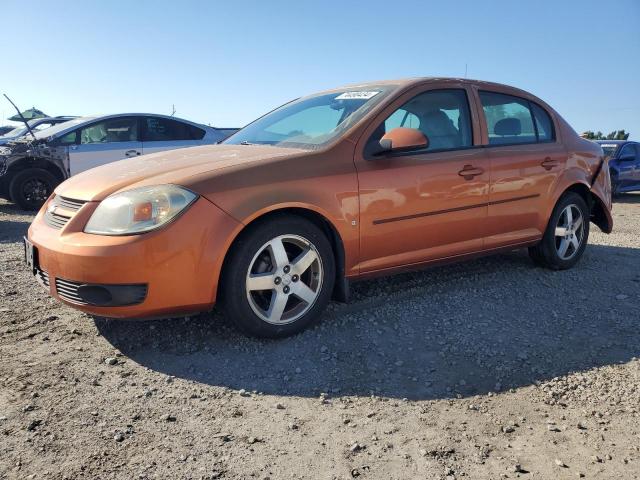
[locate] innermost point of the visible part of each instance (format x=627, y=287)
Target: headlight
x=139, y=210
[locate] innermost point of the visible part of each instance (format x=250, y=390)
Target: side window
x=441, y=115
x=69, y=139
x=113, y=130
x=509, y=119
x=544, y=124
x=401, y=118
x=628, y=149
x=158, y=129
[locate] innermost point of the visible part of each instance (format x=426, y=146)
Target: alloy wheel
x=35, y=190
x=284, y=279
x=569, y=233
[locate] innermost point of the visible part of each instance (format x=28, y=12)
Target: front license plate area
x=30, y=256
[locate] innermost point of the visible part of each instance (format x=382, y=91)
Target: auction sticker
x=356, y=95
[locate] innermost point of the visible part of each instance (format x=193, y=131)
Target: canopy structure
x=29, y=114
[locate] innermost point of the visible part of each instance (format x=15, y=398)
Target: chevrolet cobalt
x=345, y=184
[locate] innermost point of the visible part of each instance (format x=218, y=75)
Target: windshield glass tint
x=312, y=121
x=609, y=150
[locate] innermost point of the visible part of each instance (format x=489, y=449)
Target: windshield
x=16, y=132
x=48, y=132
x=311, y=122
x=609, y=149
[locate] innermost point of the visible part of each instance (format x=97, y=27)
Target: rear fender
x=601, y=195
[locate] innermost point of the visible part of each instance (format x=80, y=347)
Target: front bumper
x=179, y=264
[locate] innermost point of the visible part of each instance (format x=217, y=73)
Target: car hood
x=175, y=167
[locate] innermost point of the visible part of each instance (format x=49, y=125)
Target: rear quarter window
x=159, y=129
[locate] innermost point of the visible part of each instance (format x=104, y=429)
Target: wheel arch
x=311, y=214
x=595, y=204
x=35, y=162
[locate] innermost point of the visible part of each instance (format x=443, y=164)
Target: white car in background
x=30, y=169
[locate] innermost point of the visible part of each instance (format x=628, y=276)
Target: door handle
x=131, y=153
x=548, y=164
x=469, y=171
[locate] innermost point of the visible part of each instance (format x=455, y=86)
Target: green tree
x=618, y=135
x=615, y=135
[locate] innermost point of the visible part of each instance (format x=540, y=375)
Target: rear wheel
x=278, y=278
x=31, y=187
x=566, y=236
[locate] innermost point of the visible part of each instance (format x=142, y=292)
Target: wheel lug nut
x=277, y=280
x=294, y=278
x=286, y=289
x=287, y=269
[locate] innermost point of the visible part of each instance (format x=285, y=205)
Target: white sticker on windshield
x=356, y=95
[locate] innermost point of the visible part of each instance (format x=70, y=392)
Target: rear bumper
x=601, y=190
x=173, y=270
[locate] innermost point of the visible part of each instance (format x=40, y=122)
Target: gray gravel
x=487, y=369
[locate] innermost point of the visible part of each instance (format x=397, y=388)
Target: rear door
x=103, y=142
x=526, y=159
x=161, y=133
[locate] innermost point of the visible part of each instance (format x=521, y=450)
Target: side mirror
x=403, y=139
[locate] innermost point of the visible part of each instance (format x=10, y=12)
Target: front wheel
x=278, y=278
x=31, y=187
x=566, y=236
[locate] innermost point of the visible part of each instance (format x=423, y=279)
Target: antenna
x=173, y=110
x=465, y=70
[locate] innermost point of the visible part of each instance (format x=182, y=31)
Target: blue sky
x=225, y=63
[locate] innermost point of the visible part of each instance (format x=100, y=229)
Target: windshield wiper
x=244, y=142
x=23, y=119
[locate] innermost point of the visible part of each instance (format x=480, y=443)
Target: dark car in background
x=624, y=164
x=36, y=125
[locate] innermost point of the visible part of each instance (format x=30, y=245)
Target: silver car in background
x=30, y=168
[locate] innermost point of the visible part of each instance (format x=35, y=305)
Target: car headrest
x=508, y=126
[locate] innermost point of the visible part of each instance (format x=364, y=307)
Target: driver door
x=428, y=204
x=104, y=142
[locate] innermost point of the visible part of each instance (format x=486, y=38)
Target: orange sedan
x=345, y=184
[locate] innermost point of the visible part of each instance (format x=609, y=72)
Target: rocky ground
x=484, y=370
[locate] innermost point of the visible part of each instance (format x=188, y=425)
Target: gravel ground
x=483, y=370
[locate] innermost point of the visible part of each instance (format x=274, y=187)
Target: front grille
x=118, y=295
x=69, y=291
x=56, y=221
x=69, y=203
x=42, y=277
x=60, y=211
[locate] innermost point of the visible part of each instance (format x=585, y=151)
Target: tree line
x=615, y=135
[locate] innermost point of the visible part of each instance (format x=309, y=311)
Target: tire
x=256, y=260
x=31, y=187
x=549, y=252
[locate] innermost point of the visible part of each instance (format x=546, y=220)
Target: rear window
x=513, y=120
x=609, y=149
